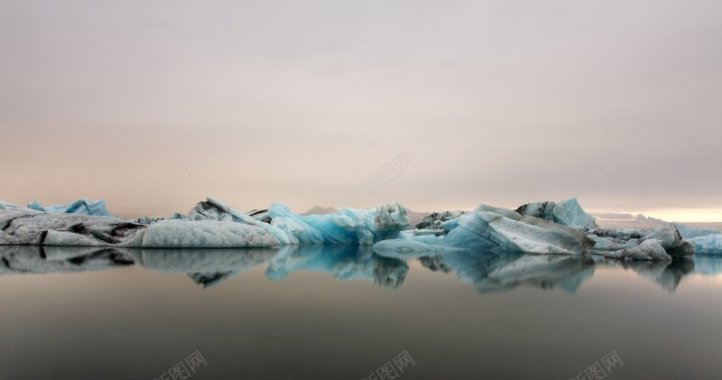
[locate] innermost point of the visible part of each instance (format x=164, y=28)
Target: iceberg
x=707, y=244
x=81, y=206
x=544, y=228
x=437, y=220
x=204, y=234
x=661, y=243
x=24, y=226
x=345, y=226
x=647, y=250
x=490, y=228
x=568, y=213
x=691, y=232
x=210, y=224
x=216, y=210
x=706, y=241
x=537, y=228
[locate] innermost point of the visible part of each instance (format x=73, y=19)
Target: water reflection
x=33, y=259
x=666, y=274
x=342, y=262
x=485, y=271
x=204, y=267
x=488, y=271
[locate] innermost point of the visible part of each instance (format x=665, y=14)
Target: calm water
x=343, y=313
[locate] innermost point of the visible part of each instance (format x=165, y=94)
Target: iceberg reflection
x=490, y=271
x=487, y=271
x=666, y=274
x=207, y=267
x=35, y=259
x=342, y=262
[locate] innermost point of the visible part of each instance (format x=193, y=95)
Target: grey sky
x=154, y=105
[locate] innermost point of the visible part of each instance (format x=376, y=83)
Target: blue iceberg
x=345, y=226
x=81, y=206
x=706, y=241
x=707, y=244
x=492, y=229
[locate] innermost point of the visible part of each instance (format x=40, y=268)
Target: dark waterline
x=343, y=313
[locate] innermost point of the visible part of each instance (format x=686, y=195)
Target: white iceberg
x=664, y=242
x=648, y=250
x=204, y=234
x=215, y=209
x=688, y=232
x=23, y=226
x=706, y=241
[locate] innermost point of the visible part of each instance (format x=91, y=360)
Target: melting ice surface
x=328, y=312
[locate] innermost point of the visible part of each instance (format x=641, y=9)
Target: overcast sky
x=154, y=105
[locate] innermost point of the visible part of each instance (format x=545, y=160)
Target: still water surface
x=344, y=313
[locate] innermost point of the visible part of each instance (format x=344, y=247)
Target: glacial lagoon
x=343, y=312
